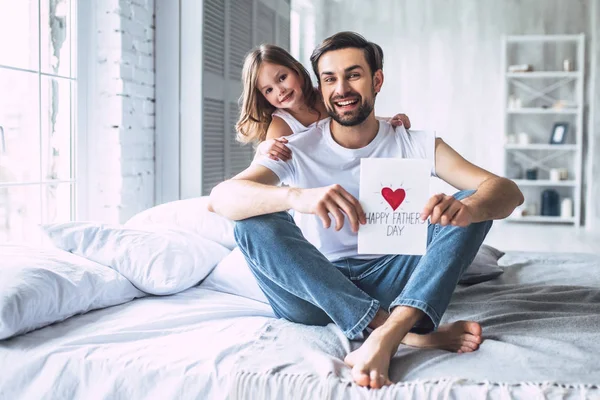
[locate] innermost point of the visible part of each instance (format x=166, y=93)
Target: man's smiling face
x=348, y=85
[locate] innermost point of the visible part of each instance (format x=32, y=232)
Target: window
x=37, y=115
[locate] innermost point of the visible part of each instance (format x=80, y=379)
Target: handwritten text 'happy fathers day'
x=395, y=221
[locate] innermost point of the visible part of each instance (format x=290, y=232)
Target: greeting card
x=393, y=192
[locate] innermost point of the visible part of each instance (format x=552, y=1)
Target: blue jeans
x=303, y=286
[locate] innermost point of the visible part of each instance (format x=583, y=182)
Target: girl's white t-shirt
x=319, y=161
x=293, y=123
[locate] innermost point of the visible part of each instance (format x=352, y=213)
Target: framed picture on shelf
x=559, y=133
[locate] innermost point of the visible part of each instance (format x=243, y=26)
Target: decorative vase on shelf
x=531, y=174
x=550, y=203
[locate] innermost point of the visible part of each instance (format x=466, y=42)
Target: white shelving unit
x=544, y=182
x=541, y=218
x=533, y=110
x=541, y=92
x=542, y=74
x=554, y=147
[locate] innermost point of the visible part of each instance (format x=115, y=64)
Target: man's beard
x=351, y=118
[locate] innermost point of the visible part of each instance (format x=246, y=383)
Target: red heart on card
x=393, y=197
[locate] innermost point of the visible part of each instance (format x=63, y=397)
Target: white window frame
x=75, y=8
x=85, y=104
x=167, y=98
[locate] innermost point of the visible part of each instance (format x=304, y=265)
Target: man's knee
x=463, y=194
x=484, y=226
x=474, y=233
x=266, y=227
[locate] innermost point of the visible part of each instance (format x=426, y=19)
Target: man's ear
x=378, y=80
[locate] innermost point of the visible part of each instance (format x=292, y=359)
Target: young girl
x=279, y=99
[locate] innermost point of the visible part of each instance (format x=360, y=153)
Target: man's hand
x=334, y=200
x=446, y=210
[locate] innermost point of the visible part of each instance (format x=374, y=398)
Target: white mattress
x=541, y=323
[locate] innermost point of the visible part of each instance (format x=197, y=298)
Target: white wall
x=119, y=148
x=443, y=60
x=594, y=125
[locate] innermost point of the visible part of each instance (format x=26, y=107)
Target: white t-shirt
x=318, y=161
x=295, y=125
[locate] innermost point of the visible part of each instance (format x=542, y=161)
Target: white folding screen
x=283, y=29
x=265, y=23
x=229, y=30
x=240, y=39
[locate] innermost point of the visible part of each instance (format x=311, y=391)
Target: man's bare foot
x=371, y=362
x=460, y=336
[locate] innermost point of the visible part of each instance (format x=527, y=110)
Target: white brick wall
x=121, y=160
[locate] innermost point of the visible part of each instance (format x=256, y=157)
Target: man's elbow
x=220, y=202
x=518, y=194
x=215, y=199
x=521, y=197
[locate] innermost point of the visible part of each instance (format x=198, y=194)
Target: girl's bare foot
x=460, y=336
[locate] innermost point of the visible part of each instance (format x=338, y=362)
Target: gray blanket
x=541, y=328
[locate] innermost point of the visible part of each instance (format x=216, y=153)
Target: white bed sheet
x=180, y=346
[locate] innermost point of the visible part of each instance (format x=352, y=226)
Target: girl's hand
x=399, y=120
x=275, y=149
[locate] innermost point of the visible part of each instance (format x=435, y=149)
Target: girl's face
x=280, y=85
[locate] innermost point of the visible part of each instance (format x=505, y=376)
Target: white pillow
x=159, y=261
x=40, y=286
x=191, y=214
x=233, y=275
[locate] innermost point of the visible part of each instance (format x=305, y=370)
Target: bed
x=541, y=328
x=541, y=322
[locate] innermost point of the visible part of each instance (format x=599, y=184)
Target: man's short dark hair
x=344, y=40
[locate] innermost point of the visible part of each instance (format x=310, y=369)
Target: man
x=322, y=279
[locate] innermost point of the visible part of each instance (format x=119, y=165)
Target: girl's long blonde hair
x=255, y=114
